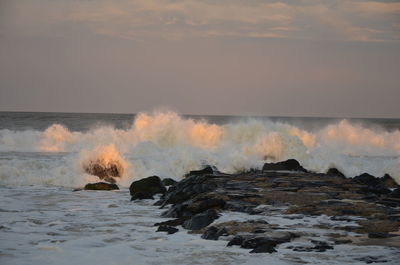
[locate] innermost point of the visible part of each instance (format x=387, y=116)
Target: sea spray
x=168, y=145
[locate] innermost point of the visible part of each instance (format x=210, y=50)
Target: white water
x=167, y=145
x=53, y=225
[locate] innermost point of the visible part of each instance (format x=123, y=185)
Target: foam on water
x=168, y=145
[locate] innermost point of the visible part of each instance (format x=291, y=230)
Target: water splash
x=168, y=145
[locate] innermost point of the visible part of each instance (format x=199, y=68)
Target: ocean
x=43, y=156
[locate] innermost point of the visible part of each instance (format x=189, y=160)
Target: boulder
x=168, y=182
x=388, y=182
x=264, y=248
x=366, y=179
x=334, y=172
x=142, y=196
x=169, y=229
x=213, y=233
x=288, y=165
x=101, y=186
x=149, y=186
x=200, y=220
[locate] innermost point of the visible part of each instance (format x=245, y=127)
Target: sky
x=326, y=58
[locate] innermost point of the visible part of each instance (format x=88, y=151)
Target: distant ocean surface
x=52, y=148
x=43, y=156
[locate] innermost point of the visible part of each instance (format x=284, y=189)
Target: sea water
x=43, y=155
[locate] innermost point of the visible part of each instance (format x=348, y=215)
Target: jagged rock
x=187, y=189
x=388, y=182
x=335, y=173
x=366, y=179
x=151, y=186
x=200, y=220
x=169, y=229
x=395, y=193
x=213, y=233
x=105, y=172
x=142, y=196
x=168, y=182
x=204, y=171
x=264, y=248
x=288, y=165
x=101, y=186
x=237, y=240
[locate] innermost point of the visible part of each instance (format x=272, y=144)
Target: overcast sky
x=255, y=57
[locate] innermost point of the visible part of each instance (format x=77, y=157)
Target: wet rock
x=319, y=246
x=204, y=171
x=187, y=189
x=264, y=248
x=288, y=165
x=342, y=241
x=366, y=179
x=213, y=233
x=169, y=229
x=236, y=241
x=107, y=173
x=388, y=182
x=335, y=173
x=101, y=186
x=174, y=222
x=168, y=182
x=379, y=235
x=395, y=193
x=142, y=196
x=371, y=259
x=151, y=186
x=200, y=220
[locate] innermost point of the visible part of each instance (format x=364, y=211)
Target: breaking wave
x=168, y=145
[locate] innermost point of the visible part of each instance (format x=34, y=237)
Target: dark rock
x=288, y=165
x=236, y=241
x=366, y=179
x=256, y=241
x=379, y=235
x=395, y=193
x=200, y=220
x=169, y=229
x=141, y=196
x=264, y=248
x=106, y=173
x=342, y=241
x=168, y=182
x=204, y=204
x=101, y=186
x=213, y=233
x=187, y=189
x=151, y=185
x=205, y=171
x=174, y=222
x=334, y=172
x=371, y=259
x=388, y=182
x=319, y=246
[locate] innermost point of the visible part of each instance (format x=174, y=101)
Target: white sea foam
x=165, y=144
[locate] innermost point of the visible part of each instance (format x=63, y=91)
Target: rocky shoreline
x=306, y=211
x=359, y=210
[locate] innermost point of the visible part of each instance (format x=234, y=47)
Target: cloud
x=179, y=19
